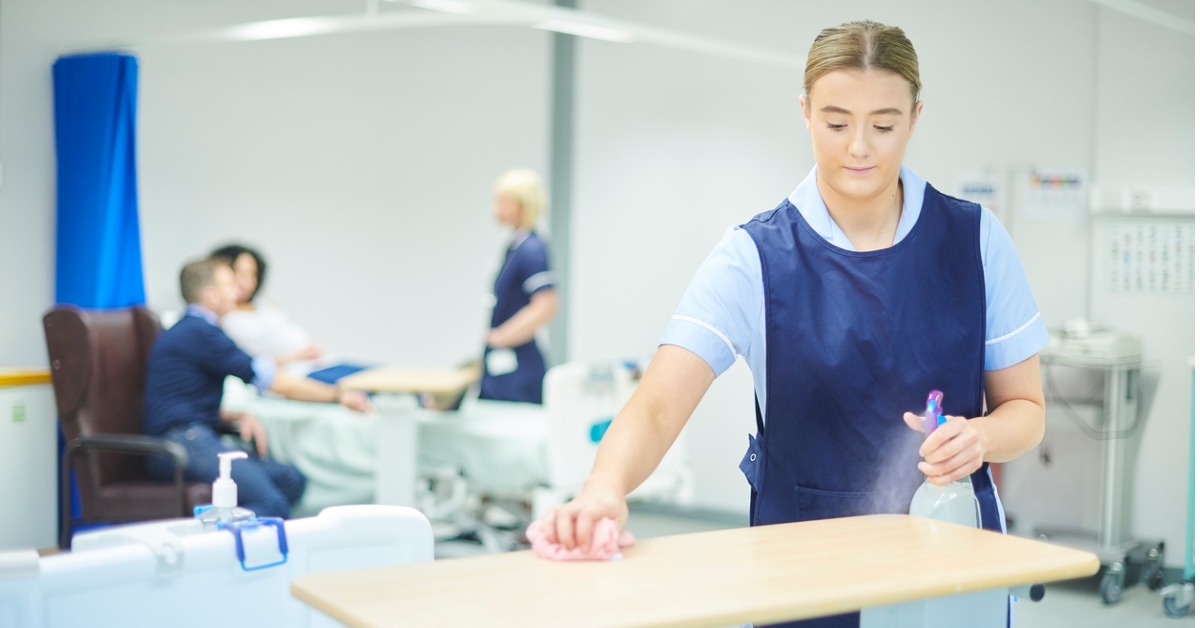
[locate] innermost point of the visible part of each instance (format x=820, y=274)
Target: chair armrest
x=119, y=443
x=228, y=428
x=131, y=444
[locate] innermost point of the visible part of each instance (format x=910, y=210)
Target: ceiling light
x=279, y=29
x=582, y=29
x=446, y=6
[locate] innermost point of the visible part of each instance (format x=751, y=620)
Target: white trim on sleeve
x=1016, y=331
x=538, y=280
x=714, y=330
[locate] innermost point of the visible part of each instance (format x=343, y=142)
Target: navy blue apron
x=525, y=383
x=853, y=340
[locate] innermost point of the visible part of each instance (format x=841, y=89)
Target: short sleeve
x=721, y=311
x=1015, y=329
x=535, y=268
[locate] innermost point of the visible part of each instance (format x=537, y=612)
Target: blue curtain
x=98, y=254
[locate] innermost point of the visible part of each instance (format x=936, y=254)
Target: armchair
x=98, y=362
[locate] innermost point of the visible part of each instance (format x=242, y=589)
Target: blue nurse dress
x=524, y=272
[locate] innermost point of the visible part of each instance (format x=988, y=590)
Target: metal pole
x=562, y=166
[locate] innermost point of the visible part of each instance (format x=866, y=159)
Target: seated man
x=184, y=383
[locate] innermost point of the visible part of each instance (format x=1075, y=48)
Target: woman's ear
x=804, y=108
x=918, y=107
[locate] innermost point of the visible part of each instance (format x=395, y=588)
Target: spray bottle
x=954, y=502
x=224, y=509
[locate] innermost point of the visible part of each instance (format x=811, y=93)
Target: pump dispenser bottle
x=955, y=502
x=224, y=508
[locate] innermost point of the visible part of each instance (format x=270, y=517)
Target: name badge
x=501, y=362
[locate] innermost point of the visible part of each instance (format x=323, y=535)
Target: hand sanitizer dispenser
x=224, y=509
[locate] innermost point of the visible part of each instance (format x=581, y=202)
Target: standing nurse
x=859, y=293
x=525, y=299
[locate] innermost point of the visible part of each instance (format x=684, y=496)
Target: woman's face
x=860, y=122
x=245, y=273
x=507, y=209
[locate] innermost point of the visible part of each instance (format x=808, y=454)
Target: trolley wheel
x=1176, y=608
x=1152, y=571
x=1112, y=585
x=1154, y=579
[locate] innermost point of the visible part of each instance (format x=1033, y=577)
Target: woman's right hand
x=571, y=524
x=355, y=400
x=311, y=352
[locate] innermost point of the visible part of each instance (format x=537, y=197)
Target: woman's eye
x=836, y=127
x=884, y=129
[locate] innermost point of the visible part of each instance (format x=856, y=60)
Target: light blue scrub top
x=722, y=314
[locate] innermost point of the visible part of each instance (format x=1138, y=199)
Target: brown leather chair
x=98, y=364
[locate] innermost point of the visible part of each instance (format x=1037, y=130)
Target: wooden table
x=386, y=379
x=396, y=469
x=902, y=570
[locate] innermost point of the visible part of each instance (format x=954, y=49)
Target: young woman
x=862, y=291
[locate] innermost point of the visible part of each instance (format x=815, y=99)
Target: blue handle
x=237, y=527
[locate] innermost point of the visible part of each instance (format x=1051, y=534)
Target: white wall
x=361, y=165
x=32, y=34
x=1145, y=136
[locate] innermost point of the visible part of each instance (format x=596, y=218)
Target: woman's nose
x=858, y=143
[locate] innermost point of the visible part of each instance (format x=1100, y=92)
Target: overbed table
x=396, y=470
x=900, y=570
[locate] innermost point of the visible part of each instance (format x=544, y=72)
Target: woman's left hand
x=954, y=450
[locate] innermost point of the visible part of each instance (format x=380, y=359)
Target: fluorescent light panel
x=583, y=29
x=280, y=29
x=446, y=6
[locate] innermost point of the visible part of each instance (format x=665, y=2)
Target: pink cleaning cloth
x=606, y=542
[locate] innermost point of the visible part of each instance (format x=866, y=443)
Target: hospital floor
x=1070, y=604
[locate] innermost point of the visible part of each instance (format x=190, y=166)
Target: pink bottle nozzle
x=933, y=411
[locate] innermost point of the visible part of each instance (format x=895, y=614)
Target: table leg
x=396, y=466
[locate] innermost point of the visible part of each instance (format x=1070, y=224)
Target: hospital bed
x=525, y=459
x=173, y=573
x=522, y=458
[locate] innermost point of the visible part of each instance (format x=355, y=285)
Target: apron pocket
x=815, y=503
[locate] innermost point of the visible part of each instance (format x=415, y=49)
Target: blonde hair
x=862, y=45
x=525, y=187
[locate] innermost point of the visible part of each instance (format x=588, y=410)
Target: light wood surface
x=23, y=377
x=386, y=379
x=721, y=578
